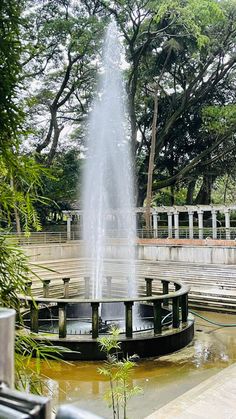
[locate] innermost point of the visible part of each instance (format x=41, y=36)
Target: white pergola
x=173, y=218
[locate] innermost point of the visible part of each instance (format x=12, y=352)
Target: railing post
x=170, y=227
x=128, y=319
x=155, y=224
x=7, y=343
x=86, y=286
x=214, y=223
x=95, y=320
x=200, y=224
x=227, y=224
x=34, y=317
x=66, y=287
x=109, y=278
x=176, y=224
x=190, y=220
x=62, y=319
x=28, y=286
x=165, y=290
x=46, y=283
x=148, y=286
x=175, y=311
x=177, y=287
x=68, y=227
x=157, y=316
x=184, y=308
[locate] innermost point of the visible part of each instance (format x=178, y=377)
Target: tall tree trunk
x=151, y=161
x=190, y=192
x=172, y=195
x=204, y=194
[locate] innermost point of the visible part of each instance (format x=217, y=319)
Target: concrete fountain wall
x=206, y=252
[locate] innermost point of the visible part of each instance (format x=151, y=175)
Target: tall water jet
x=108, y=198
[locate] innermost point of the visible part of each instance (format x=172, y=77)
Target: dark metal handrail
x=179, y=299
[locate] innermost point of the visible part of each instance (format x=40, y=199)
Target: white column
x=169, y=214
x=190, y=221
x=227, y=224
x=200, y=224
x=68, y=227
x=155, y=224
x=176, y=223
x=214, y=223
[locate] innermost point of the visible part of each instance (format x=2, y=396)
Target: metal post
x=169, y=225
x=184, y=308
x=109, y=278
x=227, y=224
x=176, y=223
x=175, y=312
x=95, y=320
x=7, y=342
x=46, y=283
x=148, y=286
x=214, y=223
x=66, y=287
x=157, y=316
x=190, y=220
x=34, y=317
x=200, y=224
x=128, y=319
x=62, y=319
x=28, y=286
x=86, y=286
x=165, y=285
x=177, y=287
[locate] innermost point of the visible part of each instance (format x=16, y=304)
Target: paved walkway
x=214, y=398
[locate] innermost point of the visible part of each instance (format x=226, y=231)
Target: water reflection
x=162, y=379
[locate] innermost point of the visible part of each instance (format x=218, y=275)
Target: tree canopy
x=180, y=82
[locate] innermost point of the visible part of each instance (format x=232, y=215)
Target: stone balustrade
x=197, y=214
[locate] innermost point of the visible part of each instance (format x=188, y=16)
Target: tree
x=10, y=51
x=196, y=75
x=62, y=40
x=62, y=188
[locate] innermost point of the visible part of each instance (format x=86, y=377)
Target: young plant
x=119, y=374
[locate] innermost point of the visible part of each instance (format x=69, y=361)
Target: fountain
x=152, y=314
x=108, y=198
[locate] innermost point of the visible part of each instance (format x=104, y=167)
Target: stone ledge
x=214, y=398
x=188, y=242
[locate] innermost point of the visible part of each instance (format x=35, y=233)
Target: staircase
x=213, y=287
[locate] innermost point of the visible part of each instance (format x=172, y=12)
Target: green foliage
x=14, y=276
x=119, y=374
x=10, y=51
x=61, y=188
x=219, y=119
x=20, y=185
x=193, y=16
x=14, y=273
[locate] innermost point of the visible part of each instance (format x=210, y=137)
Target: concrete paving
x=214, y=398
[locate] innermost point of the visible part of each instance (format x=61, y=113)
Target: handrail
x=179, y=298
x=184, y=289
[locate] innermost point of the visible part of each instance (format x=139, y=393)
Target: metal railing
x=48, y=237
x=178, y=299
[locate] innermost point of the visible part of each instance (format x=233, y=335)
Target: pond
x=162, y=379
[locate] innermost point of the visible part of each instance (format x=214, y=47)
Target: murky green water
x=162, y=379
